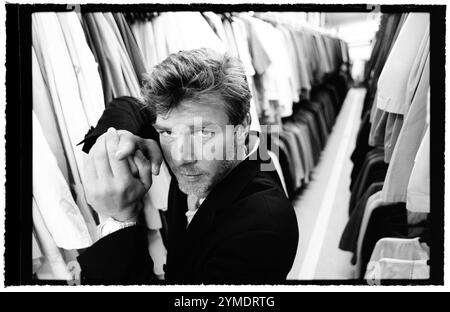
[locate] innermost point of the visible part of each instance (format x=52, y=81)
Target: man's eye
x=165, y=133
x=204, y=133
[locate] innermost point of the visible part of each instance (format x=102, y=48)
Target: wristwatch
x=111, y=225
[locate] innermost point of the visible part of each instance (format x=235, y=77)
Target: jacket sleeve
x=121, y=258
x=123, y=113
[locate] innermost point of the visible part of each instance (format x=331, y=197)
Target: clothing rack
x=275, y=19
x=390, y=178
x=133, y=17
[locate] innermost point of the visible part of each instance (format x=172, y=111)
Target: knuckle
x=100, y=155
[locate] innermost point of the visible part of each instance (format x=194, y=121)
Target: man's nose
x=185, y=150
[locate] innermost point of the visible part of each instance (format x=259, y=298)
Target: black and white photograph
x=224, y=144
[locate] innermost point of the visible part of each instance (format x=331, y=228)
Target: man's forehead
x=192, y=111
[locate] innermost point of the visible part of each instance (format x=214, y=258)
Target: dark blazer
x=244, y=232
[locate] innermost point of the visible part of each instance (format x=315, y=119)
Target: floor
x=322, y=207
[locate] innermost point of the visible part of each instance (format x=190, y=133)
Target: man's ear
x=246, y=123
x=244, y=128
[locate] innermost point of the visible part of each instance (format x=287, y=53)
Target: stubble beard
x=202, y=188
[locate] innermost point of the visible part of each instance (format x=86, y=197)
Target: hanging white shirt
x=408, y=142
x=398, y=258
x=418, y=192
x=57, y=69
x=84, y=66
x=53, y=265
x=53, y=197
x=393, y=80
x=145, y=38
x=43, y=108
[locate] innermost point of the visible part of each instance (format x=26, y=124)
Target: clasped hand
x=118, y=173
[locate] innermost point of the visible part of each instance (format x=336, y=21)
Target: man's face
x=198, y=144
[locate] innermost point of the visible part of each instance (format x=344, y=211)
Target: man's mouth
x=191, y=176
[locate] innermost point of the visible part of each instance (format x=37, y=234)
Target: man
x=228, y=220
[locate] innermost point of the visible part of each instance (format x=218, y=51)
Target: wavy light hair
x=196, y=74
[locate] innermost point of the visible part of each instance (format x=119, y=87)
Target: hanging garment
x=270, y=60
x=259, y=50
x=319, y=115
x=303, y=60
x=393, y=81
x=260, y=61
x=374, y=170
x=327, y=53
x=283, y=75
x=408, y=143
x=216, y=24
x=145, y=39
x=387, y=268
x=84, y=66
x=57, y=70
x=299, y=150
x=131, y=46
x=51, y=192
x=323, y=66
x=241, y=37
x=111, y=34
x=160, y=38
x=119, y=78
x=394, y=125
x=349, y=238
x=394, y=121
x=43, y=108
x=306, y=117
x=396, y=258
x=190, y=31
x=53, y=266
x=373, y=203
x=362, y=148
x=306, y=46
x=386, y=220
x=418, y=191
x=385, y=131
x=291, y=141
x=36, y=254
x=291, y=62
x=231, y=41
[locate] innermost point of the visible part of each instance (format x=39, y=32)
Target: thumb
x=152, y=151
x=126, y=147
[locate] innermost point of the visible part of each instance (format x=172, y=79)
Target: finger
x=152, y=151
x=127, y=146
x=133, y=168
x=119, y=167
x=89, y=171
x=143, y=165
x=101, y=159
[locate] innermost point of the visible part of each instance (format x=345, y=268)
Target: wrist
x=128, y=214
x=127, y=218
